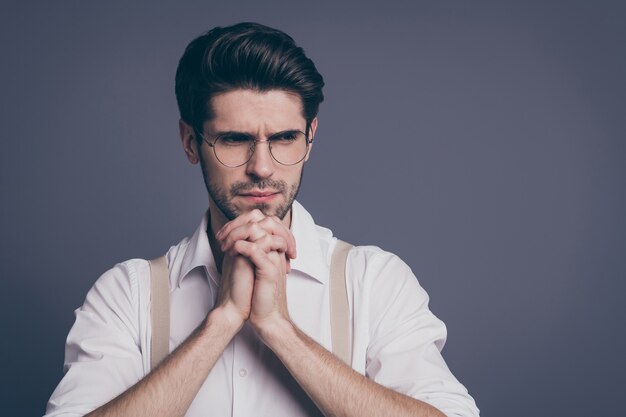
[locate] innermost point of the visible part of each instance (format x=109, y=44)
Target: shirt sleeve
x=102, y=352
x=406, y=338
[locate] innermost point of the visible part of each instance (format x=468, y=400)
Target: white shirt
x=396, y=339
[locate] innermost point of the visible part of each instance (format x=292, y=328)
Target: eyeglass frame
x=253, y=147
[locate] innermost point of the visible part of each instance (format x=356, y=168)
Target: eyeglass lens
x=286, y=148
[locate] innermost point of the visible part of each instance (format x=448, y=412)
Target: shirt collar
x=198, y=252
x=311, y=245
x=311, y=256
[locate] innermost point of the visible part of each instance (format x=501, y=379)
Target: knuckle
x=239, y=245
x=274, y=256
x=255, y=228
x=267, y=223
x=258, y=233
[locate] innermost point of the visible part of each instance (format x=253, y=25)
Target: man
x=250, y=332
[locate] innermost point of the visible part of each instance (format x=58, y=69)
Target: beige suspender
x=339, y=309
x=159, y=310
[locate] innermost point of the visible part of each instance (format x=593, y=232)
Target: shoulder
x=122, y=277
x=373, y=265
x=374, y=256
x=118, y=289
x=129, y=280
x=386, y=285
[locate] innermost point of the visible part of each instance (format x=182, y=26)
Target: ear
x=312, y=129
x=188, y=139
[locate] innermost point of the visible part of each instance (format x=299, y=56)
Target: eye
x=234, y=140
x=287, y=137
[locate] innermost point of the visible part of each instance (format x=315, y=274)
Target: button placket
x=241, y=372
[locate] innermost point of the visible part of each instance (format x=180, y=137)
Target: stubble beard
x=223, y=199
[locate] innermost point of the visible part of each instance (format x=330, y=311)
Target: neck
x=216, y=221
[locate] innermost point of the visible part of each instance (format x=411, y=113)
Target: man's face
x=262, y=182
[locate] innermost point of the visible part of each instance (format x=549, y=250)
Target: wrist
x=275, y=331
x=225, y=319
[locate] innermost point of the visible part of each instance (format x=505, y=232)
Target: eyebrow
x=232, y=133
x=238, y=133
x=284, y=132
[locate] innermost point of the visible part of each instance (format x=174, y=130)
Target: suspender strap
x=339, y=310
x=159, y=310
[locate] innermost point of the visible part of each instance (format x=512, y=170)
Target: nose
x=261, y=164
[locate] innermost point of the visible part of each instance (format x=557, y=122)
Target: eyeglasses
x=235, y=149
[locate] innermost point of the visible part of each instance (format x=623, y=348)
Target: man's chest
x=248, y=378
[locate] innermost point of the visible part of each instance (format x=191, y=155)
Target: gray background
x=483, y=142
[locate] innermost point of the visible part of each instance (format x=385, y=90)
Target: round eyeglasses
x=234, y=149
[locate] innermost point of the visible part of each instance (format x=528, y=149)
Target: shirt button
x=243, y=372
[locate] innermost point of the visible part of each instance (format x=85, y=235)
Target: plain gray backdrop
x=483, y=142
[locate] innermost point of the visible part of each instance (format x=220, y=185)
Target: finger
x=258, y=257
x=268, y=243
x=292, y=254
x=249, y=231
x=278, y=258
x=276, y=227
x=272, y=224
x=252, y=216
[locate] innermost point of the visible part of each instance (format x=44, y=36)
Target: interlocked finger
x=257, y=255
x=255, y=215
x=250, y=231
x=276, y=227
x=253, y=226
x=267, y=244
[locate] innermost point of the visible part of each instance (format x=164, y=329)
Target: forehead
x=256, y=112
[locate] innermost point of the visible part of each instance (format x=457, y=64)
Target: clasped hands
x=257, y=251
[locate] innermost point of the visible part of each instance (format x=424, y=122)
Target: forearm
x=171, y=387
x=335, y=388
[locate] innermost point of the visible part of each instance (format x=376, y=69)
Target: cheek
x=225, y=177
x=294, y=177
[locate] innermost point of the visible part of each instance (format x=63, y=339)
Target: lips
x=258, y=193
x=258, y=196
